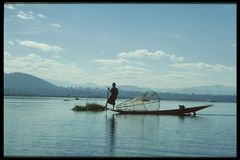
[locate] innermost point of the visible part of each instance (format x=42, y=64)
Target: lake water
x=46, y=126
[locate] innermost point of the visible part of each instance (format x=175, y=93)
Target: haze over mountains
x=214, y=90
x=211, y=89
x=24, y=81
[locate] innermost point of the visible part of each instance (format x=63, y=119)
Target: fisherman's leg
x=106, y=104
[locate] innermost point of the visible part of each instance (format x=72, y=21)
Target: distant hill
x=213, y=90
x=19, y=80
x=22, y=84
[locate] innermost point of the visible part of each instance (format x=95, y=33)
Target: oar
x=107, y=98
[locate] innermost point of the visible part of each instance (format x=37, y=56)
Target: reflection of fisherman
x=111, y=134
x=114, y=94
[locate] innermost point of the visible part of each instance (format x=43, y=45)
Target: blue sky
x=147, y=45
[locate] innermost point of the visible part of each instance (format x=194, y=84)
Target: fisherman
x=113, y=96
x=181, y=109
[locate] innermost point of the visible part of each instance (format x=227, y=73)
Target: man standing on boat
x=114, y=94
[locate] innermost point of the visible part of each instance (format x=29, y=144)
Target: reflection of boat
x=149, y=103
x=180, y=111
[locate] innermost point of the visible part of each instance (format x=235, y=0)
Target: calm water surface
x=46, y=126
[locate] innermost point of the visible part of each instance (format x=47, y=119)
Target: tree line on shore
x=102, y=93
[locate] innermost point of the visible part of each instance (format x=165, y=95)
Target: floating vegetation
x=89, y=107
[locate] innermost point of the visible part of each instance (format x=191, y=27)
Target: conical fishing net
x=149, y=101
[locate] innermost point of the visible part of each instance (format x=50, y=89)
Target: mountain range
x=17, y=82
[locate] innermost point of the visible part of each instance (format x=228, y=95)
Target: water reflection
x=111, y=133
x=137, y=132
x=131, y=130
x=136, y=135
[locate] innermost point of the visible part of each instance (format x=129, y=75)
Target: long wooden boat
x=180, y=111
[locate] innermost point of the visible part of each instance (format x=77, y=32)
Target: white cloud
x=11, y=43
x=44, y=68
x=41, y=46
x=55, y=25
x=125, y=74
x=41, y=15
x=143, y=53
x=41, y=21
x=20, y=4
x=30, y=15
x=112, y=61
x=174, y=58
x=7, y=54
x=220, y=67
x=179, y=75
x=203, y=66
x=9, y=6
x=25, y=16
x=129, y=67
x=131, y=70
x=56, y=56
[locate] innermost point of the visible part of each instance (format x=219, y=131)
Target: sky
x=146, y=45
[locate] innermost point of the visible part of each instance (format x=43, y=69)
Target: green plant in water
x=89, y=107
